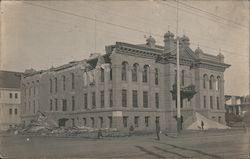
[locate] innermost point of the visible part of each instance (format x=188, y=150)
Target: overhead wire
x=117, y=25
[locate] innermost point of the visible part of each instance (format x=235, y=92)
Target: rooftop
x=9, y=79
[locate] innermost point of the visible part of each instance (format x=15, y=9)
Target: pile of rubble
x=45, y=126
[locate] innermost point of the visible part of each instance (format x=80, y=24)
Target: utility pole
x=178, y=100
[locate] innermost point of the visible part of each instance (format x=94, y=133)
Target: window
x=204, y=80
x=211, y=102
x=182, y=77
x=16, y=95
x=125, y=121
x=85, y=100
x=93, y=100
x=10, y=111
x=156, y=76
x=92, y=122
x=102, y=99
x=211, y=80
x=50, y=85
x=175, y=76
x=124, y=98
x=29, y=91
x=56, y=105
x=134, y=72
x=72, y=80
x=157, y=119
x=55, y=84
x=110, y=121
x=101, y=122
x=64, y=105
x=73, y=103
x=34, y=107
x=25, y=93
x=10, y=95
x=145, y=73
x=102, y=75
x=135, y=98
x=110, y=73
x=218, y=83
x=147, y=121
x=38, y=86
x=218, y=102
x=34, y=90
x=15, y=111
x=29, y=106
x=136, y=121
x=205, y=101
x=64, y=81
x=110, y=98
x=84, y=120
x=50, y=104
x=124, y=71
x=157, y=100
x=145, y=99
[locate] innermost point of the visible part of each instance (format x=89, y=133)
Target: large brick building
x=129, y=85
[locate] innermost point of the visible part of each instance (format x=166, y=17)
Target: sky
x=41, y=34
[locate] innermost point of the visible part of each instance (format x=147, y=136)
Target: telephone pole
x=178, y=73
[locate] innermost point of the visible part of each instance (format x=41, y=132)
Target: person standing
x=202, y=125
x=158, y=129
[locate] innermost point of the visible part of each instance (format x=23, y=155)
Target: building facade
x=130, y=85
x=236, y=107
x=10, y=99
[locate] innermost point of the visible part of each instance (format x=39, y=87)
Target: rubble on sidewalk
x=46, y=126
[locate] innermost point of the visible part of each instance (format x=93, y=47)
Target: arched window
x=50, y=86
x=55, y=84
x=64, y=80
x=204, y=80
x=124, y=70
x=102, y=75
x=134, y=72
x=73, y=80
x=145, y=73
x=211, y=80
x=156, y=76
x=218, y=102
x=218, y=83
x=110, y=73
